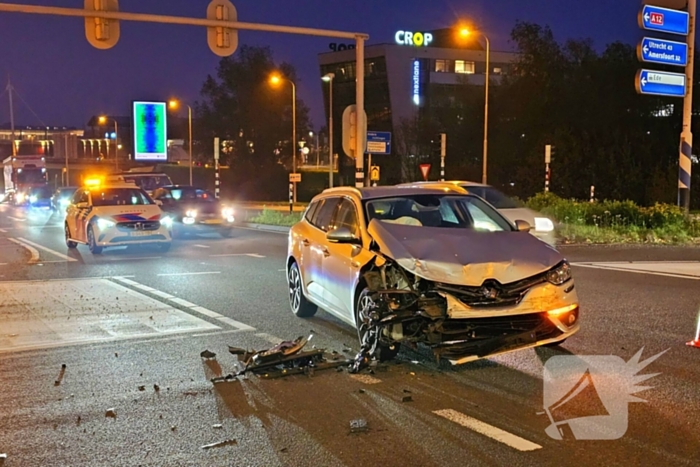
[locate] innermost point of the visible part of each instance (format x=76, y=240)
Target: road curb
x=268, y=228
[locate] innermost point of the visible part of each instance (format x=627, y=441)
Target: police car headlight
x=103, y=224
x=560, y=274
x=32, y=199
x=166, y=222
x=64, y=202
x=542, y=224
x=191, y=213
x=20, y=197
x=227, y=213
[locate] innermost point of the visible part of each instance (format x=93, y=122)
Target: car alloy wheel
x=69, y=242
x=365, y=304
x=297, y=301
x=92, y=243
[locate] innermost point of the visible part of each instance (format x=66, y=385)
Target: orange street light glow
x=464, y=32
x=275, y=79
x=102, y=119
x=173, y=104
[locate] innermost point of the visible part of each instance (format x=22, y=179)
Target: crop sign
x=150, y=131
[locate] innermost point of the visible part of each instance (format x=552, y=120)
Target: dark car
x=39, y=197
x=61, y=197
x=194, y=209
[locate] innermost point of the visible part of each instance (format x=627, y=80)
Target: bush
x=272, y=217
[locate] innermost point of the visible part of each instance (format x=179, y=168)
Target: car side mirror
x=523, y=226
x=342, y=235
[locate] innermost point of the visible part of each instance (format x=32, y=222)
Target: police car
x=115, y=214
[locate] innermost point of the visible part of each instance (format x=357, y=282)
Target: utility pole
x=686, y=149
x=547, y=161
x=12, y=116
x=443, y=153
x=65, y=150
x=359, y=112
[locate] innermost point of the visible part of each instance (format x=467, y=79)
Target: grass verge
x=591, y=234
x=279, y=218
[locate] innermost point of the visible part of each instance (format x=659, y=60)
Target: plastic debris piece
x=220, y=444
x=111, y=413
x=361, y=391
x=358, y=426
x=217, y=426
x=116, y=354
x=407, y=390
x=173, y=428
x=142, y=388
x=156, y=387
x=207, y=354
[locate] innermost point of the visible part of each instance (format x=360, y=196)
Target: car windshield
x=446, y=211
x=119, y=197
x=496, y=198
x=191, y=194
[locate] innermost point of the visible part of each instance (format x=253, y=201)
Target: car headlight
x=191, y=213
x=560, y=274
x=542, y=224
x=227, y=213
x=166, y=222
x=32, y=199
x=64, y=202
x=20, y=197
x=103, y=224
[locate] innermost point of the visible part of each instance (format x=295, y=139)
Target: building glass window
x=442, y=66
x=463, y=66
x=497, y=71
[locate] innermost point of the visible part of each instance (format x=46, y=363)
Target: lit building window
x=462, y=66
x=442, y=66
x=497, y=71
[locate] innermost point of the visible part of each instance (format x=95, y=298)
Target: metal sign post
x=216, y=168
x=443, y=153
x=686, y=147
x=547, y=161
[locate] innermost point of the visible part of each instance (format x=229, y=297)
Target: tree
x=252, y=118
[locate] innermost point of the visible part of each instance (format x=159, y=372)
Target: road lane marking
x=184, y=303
x=235, y=324
x=269, y=338
x=366, y=379
x=189, y=273
x=509, y=439
x=252, y=255
x=18, y=219
x=677, y=269
x=132, y=258
x=3, y=264
x=49, y=250
x=33, y=251
x=3, y=230
x=200, y=246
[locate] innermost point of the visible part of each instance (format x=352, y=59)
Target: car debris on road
x=220, y=444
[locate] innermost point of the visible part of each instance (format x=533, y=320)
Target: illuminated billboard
x=150, y=131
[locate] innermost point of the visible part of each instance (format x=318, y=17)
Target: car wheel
x=69, y=243
x=92, y=243
x=164, y=247
x=226, y=233
x=300, y=305
x=363, y=306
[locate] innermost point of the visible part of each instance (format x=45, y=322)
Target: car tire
x=386, y=352
x=92, y=243
x=69, y=243
x=164, y=247
x=226, y=233
x=301, y=307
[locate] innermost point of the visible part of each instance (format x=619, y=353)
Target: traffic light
x=102, y=33
x=350, y=131
x=222, y=41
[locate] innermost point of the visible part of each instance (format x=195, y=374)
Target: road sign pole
x=443, y=153
x=547, y=160
x=361, y=132
x=291, y=198
x=686, y=149
x=216, y=168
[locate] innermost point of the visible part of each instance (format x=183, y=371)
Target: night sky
x=65, y=80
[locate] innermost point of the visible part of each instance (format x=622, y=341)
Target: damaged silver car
x=410, y=266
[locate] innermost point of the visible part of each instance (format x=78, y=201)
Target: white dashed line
x=3, y=230
x=200, y=246
x=190, y=273
x=235, y=324
x=49, y=250
x=509, y=439
x=252, y=255
x=33, y=251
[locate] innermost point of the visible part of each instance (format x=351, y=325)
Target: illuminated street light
x=102, y=119
x=466, y=32
x=174, y=104
x=328, y=78
x=275, y=80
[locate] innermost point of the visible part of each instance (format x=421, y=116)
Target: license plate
x=140, y=233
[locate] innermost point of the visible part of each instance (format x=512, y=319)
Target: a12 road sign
x=661, y=83
x=661, y=51
x=654, y=18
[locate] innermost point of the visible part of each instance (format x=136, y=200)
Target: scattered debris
x=173, y=428
x=156, y=388
x=228, y=442
x=3, y=458
x=60, y=375
x=217, y=426
x=206, y=354
x=283, y=450
x=407, y=399
x=407, y=390
x=412, y=374
x=116, y=354
x=63, y=366
x=111, y=413
x=284, y=359
x=361, y=391
x=142, y=388
x=358, y=426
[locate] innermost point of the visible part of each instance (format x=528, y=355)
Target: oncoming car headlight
x=542, y=224
x=103, y=224
x=32, y=199
x=166, y=222
x=227, y=213
x=191, y=213
x=560, y=274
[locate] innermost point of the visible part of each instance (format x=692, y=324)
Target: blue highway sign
x=378, y=142
x=654, y=18
x=661, y=83
x=664, y=52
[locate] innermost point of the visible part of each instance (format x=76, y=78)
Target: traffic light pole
x=686, y=149
x=360, y=110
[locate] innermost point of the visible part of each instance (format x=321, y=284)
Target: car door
x=313, y=243
x=73, y=214
x=342, y=262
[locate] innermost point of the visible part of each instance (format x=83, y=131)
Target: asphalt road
x=130, y=319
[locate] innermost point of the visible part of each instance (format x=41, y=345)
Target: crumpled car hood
x=463, y=256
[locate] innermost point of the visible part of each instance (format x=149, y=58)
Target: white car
x=102, y=216
x=542, y=226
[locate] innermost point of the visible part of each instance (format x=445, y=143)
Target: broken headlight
x=560, y=274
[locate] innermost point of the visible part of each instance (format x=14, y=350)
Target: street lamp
x=329, y=79
x=465, y=32
x=276, y=80
x=174, y=104
x=103, y=120
x=318, y=151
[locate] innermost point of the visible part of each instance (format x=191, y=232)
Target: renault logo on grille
x=138, y=226
x=489, y=292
